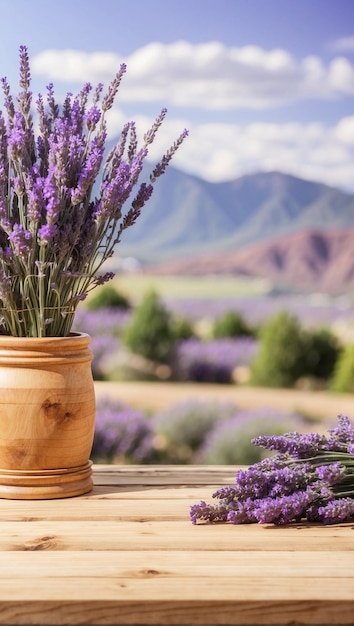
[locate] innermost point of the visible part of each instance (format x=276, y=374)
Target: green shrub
x=231, y=324
x=182, y=328
x=322, y=353
x=108, y=297
x=149, y=332
x=281, y=359
x=343, y=376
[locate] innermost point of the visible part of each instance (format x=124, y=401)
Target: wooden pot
x=47, y=416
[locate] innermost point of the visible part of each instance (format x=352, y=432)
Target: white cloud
x=344, y=130
x=219, y=152
x=76, y=66
x=209, y=75
x=343, y=44
x=341, y=76
x=213, y=76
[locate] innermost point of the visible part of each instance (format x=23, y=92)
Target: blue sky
x=260, y=84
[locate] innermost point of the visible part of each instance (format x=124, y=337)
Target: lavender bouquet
x=309, y=477
x=54, y=234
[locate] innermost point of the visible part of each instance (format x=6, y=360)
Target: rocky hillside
x=311, y=260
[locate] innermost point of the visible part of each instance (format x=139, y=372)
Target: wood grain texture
x=127, y=554
x=47, y=416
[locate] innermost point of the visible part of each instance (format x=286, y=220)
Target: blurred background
x=231, y=310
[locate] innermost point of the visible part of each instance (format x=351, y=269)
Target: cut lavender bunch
x=310, y=477
x=55, y=233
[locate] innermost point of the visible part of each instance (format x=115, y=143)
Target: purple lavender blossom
x=92, y=118
x=89, y=172
x=106, y=321
x=161, y=167
x=21, y=240
x=295, y=444
x=331, y=473
x=257, y=309
x=104, y=327
x=341, y=437
x=108, y=100
x=16, y=138
x=122, y=434
x=307, y=445
x=47, y=233
x=213, y=361
x=287, y=488
x=336, y=511
x=283, y=509
x=210, y=513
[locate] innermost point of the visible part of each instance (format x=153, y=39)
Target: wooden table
x=128, y=554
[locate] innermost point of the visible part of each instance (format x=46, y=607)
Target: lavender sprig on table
x=310, y=477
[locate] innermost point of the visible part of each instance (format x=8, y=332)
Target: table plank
x=153, y=535
x=175, y=587
x=171, y=563
x=128, y=554
x=198, y=612
x=163, y=475
x=237, y=601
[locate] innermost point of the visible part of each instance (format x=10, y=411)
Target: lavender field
x=200, y=358
x=205, y=428
x=311, y=310
x=191, y=431
x=209, y=296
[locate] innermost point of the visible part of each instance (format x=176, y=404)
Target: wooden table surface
x=128, y=554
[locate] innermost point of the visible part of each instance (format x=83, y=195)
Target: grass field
x=210, y=296
x=134, y=285
x=320, y=406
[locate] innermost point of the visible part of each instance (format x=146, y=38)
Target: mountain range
x=294, y=231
